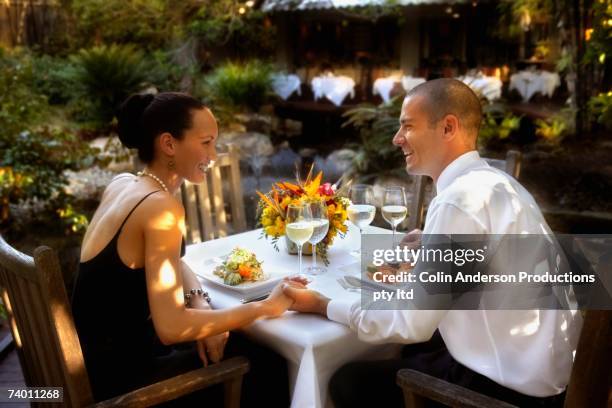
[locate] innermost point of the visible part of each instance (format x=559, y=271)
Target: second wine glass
x=394, y=209
x=317, y=211
x=298, y=227
x=361, y=212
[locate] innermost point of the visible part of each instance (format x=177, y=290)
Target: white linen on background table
x=528, y=83
x=334, y=88
x=384, y=86
x=490, y=87
x=409, y=82
x=313, y=346
x=284, y=85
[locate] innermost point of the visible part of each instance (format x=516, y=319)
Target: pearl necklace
x=154, y=177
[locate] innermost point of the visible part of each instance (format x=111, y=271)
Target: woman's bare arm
x=174, y=322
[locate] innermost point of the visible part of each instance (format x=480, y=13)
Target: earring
x=171, y=164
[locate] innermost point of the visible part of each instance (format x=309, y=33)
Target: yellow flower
x=280, y=226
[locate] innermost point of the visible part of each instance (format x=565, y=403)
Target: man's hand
x=212, y=348
x=306, y=300
x=412, y=240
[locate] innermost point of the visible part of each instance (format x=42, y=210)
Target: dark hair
x=446, y=96
x=143, y=117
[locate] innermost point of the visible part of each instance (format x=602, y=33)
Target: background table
x=284, y=85
x=528, y=83
x=313, y=346
x=334, y=88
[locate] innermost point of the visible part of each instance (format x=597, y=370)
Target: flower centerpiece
x=273, y=209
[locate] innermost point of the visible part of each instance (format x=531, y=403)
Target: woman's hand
x=277, y=303
x=212, y=348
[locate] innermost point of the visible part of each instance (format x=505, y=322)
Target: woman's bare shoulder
x=163, y=206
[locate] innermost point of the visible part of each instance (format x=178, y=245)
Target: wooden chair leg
x=232, y=389
x=412, y=400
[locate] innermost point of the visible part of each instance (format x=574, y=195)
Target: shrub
x=33, y=158
x=33, y=165
x=376, y=155
x=20, y=104
x=497, y=124
x=108, y=75
x=56, y=78
x=240, y=85
x=600, y=109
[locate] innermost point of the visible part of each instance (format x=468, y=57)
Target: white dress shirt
x=529, y=351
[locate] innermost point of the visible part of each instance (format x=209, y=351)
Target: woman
x=133, y=297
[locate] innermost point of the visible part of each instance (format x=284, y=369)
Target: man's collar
x=455, y=168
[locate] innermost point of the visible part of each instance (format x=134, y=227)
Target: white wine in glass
x=298, y=227
x=320, y=225
x=361, y=212
x=394, y=209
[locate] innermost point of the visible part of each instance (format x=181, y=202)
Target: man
x=522, y=356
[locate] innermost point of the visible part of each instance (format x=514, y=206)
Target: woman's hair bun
x=129, y=119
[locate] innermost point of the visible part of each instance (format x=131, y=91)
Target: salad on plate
x=240, y=266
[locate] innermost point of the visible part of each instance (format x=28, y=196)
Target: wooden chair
x=49, y=349
x=416, y=212
x=590, y=382
x=205, y=207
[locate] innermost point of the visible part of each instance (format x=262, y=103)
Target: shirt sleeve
x=386, y=326
x=405, y=326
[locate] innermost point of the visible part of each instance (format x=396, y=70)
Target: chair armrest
x=453, y=395
x=180, y=385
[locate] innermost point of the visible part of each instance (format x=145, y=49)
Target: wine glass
x=317, y=215
x=361, y=212
x=298, y=227
x=394, y=209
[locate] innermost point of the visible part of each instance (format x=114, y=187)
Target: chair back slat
x=189, y=199
x=237, y=197
x=206, y=203
x=218, y=202
x=42, y=324
x=417, y=205
x=205, y=211
x=591, y=378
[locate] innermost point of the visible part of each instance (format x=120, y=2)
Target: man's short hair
x=445, y=96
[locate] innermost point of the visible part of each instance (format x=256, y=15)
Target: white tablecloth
x=409, y=82
x=286, y=84
x=313, y=346
x=489, y=87
x=334, y=88
x=384, y=86
x=528, y=83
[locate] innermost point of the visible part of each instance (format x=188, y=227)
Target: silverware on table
x=254, y=298
x=361, y=283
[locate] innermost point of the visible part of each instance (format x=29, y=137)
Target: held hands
x=212, y=348
x=278, y=302
x=306, y=300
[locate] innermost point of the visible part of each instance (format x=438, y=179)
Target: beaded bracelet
x=196, y=292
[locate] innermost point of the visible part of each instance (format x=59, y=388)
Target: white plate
x=205, y=268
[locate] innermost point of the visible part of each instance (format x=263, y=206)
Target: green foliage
x=149, y=23
x=518, y=15
x=240, y=85
x=554, y=129
x=56, y=79
x=20, y=104
x=497, y=124
x=108, y=74
x=220, y=23
x=600, y=109
x=376, y=155
x=599, y=47
x=32, y=158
